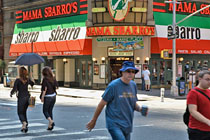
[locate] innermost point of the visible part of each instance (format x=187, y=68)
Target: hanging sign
x=118, y=9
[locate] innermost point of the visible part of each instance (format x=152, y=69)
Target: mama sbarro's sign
x=70, y=8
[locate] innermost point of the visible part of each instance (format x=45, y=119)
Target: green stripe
x=46, y=25
x=194, y=21
x=161, y=1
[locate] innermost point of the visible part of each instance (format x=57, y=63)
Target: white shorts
x=147, y=82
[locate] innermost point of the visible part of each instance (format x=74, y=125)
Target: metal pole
x=174, y=89
x=162, y=92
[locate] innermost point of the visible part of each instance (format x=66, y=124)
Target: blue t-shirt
x=121, y=101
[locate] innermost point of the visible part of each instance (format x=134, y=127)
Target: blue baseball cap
x=128, y=65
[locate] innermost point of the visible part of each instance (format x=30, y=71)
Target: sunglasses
x=130, y=71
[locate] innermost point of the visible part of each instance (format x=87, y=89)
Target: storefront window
x=161, y=72
x=89, y=73
x=154, y=71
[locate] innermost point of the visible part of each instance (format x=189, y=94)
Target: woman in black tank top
x=48, y=96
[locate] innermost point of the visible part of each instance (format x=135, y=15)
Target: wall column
x=60, y=71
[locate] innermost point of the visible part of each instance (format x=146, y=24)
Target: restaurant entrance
x=115, y=64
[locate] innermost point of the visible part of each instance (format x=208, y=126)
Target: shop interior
x=115, y=66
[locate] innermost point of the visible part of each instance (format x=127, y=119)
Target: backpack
x=186, y=115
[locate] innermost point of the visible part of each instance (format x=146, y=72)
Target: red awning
x=182, y=46
x=67, y=47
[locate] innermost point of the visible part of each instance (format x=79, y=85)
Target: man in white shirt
x=145, y=75
x=192, y=78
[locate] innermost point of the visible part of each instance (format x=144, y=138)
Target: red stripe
x=82, y=0
x=183, y=46
x=18, y=22
x=18, y=12
x=83, y=6
x=159, y=4
x=55, y=48
x=17, y=17
x=159, y=10
x=83, y=12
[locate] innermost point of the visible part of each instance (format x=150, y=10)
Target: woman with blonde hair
x=48, y=96
x=21, y=87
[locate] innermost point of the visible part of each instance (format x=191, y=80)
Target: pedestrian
x=197, y=81
x=192, y=78
x=199, y=108
x=21, y=87
x=161, y=76
x=146, y=75
x=121, y=100
x=48, y=95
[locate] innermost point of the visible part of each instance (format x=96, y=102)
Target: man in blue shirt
x=120, y=99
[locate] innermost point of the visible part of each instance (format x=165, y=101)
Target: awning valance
x=182, y=46
x=67, y=47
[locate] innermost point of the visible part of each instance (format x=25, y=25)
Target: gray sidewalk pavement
x=92, y=97
x=96, y=94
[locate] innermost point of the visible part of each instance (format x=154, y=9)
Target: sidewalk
x=89, y=96
x=96, y=94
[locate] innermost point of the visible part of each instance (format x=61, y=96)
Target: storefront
x=118, y=34
x=192, y=40
x=58, y=33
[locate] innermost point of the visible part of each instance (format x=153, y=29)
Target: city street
x=164, y=121
x=74, y=49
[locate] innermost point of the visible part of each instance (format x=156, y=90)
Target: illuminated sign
x=164, y=54
x=112, y=52
x=48, y=12
x=120, y=30
x=138, y=9
x=99, y=10
x=118, y=9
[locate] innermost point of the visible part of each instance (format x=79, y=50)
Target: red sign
x=120, y=30
x=75, y=7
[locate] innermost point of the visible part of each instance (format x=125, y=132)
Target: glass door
x=85, y=73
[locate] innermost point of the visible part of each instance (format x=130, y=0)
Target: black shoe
x=25, y=130
x=52, y=126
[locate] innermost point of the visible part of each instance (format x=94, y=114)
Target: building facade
x=192, y=40
x=120, y=30
x=55, y=30
x=86, y=41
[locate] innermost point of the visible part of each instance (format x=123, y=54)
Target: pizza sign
x=118, y=9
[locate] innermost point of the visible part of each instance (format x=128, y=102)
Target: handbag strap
x=203, y=93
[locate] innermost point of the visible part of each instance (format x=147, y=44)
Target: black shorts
x=195, y=134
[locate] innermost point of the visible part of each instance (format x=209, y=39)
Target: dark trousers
x=143, y=84
x=195, y=134
x=22, y=109
x=49, y=103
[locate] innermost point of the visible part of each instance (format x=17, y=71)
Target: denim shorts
x=118, y=134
